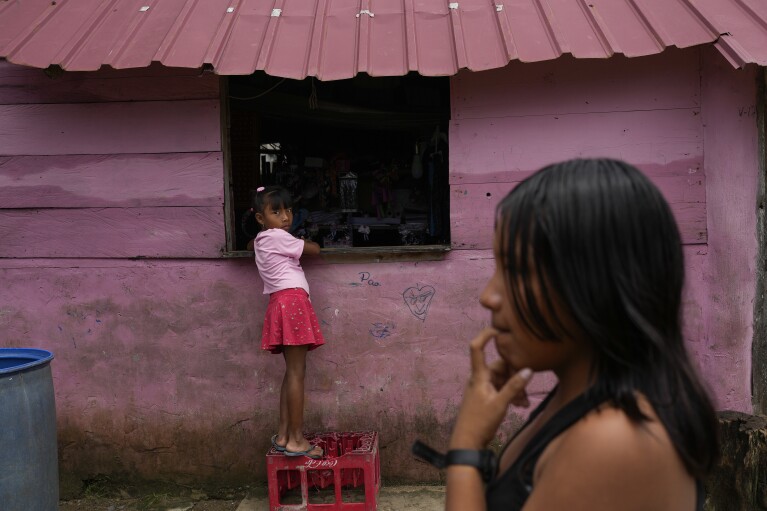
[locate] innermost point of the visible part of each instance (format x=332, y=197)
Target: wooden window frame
x=331, y=255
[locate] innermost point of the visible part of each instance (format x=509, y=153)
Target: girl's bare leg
x=282, y=432
x=295, y=371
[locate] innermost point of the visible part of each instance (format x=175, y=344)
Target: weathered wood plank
x=113, y=232
x=25, y=87
x=676, y=187
x=687, y=168
x=122, y=180
x=568, y=85
x=495, y=146
x=110, y=128
x=472, y=210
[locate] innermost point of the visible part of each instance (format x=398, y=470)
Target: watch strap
x=484, y=461
x=428, y=454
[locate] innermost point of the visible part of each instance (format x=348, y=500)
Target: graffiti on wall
x=365, y=278
x=418, y=298
x=380, y=330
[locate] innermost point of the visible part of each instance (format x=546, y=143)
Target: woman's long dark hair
x=271, y=196
x=602, y=240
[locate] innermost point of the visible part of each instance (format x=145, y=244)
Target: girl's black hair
x=271, y=196
x=603, y=241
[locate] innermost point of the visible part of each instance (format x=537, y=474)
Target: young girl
x=588, y=284
x=290, y=325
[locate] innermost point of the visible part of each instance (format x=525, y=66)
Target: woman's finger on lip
x=477, y=348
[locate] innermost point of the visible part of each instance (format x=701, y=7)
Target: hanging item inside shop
x=416, y=169
x=347, y=187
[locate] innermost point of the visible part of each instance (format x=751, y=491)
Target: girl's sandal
x=277, y=447
x=306, y=453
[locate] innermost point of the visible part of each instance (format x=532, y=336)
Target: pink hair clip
x=260, y=189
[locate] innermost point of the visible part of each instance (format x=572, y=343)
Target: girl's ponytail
x=248, y=221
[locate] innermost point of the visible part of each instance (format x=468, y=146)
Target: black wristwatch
x=483, y=460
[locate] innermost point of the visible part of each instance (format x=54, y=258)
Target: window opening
x=366, y=159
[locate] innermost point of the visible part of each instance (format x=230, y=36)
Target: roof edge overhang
x=730, y=50
x=313, y=39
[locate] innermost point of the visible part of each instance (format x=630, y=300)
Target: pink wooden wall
x=115, y=164
x=730, y=142
x=512, y=121
x=157, y=370
x=654, y=113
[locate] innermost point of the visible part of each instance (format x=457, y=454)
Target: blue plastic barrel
x=29, y=470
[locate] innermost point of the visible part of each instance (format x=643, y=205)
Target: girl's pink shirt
x=277, y=258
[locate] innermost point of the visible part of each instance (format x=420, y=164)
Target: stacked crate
x=347, y=478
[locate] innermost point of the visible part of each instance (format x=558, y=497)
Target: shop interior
x=365, y=159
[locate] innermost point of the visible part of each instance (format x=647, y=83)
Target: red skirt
x=290, y=321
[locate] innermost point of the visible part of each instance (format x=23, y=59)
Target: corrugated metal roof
x=334, y=39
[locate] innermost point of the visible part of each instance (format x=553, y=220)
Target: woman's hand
x=490, y=391
x=500, y=372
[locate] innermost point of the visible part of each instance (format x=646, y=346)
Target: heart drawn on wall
x=418, y=298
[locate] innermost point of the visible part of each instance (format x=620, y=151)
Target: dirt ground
x=107, y=504
x=393, y=498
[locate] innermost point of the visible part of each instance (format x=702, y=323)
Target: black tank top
x=510, y=490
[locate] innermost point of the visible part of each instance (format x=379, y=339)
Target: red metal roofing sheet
x=334, y=39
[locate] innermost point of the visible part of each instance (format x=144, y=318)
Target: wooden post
x=738, y=483
x=759, y=343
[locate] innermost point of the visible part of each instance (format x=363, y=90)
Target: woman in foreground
x=587, y=284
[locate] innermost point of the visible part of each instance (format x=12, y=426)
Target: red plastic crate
x=346, y=479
